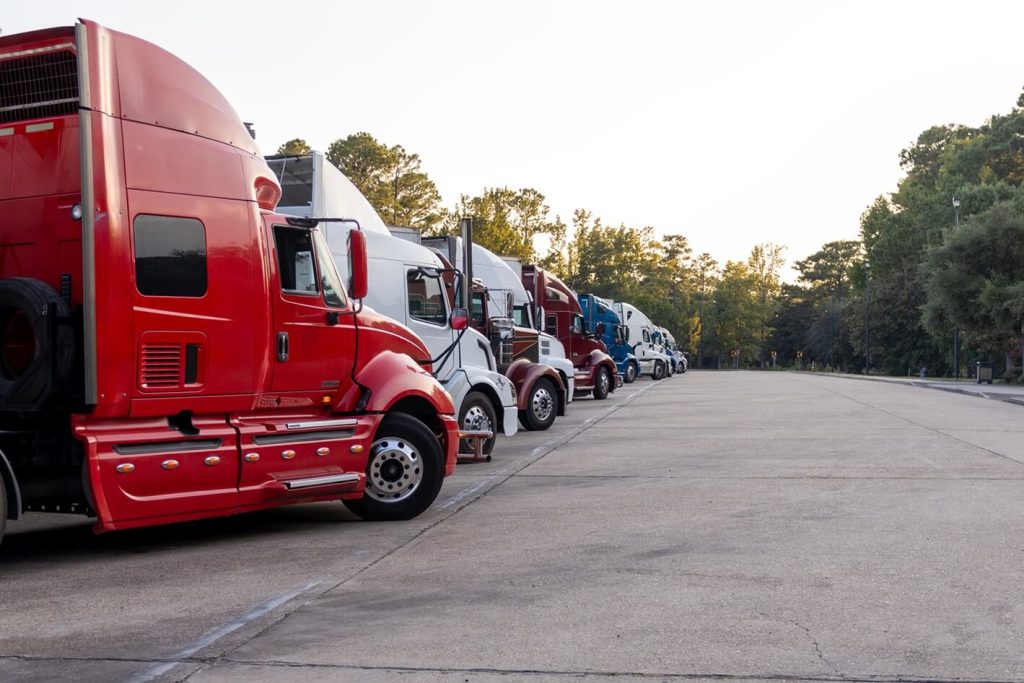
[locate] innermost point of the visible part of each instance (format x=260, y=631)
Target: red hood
x=406, y=341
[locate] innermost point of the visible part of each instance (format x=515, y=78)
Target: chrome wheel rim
x=630, y=372
x=476, y=418
x=604, y=382
x=542, y=404
x=395, y=470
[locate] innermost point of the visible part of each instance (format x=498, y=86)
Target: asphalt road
x=718, y=525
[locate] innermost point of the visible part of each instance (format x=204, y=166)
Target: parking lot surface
x=714, y=525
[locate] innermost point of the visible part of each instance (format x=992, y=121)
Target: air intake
x=38, y=86
x=161, y=366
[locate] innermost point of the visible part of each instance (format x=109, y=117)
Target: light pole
x=956, y=331
x=867, y=316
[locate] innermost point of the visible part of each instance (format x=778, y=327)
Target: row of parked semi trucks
x=189, y=329
x=531, y=344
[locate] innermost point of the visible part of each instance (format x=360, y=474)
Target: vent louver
x=161, y=366
x=37, y=86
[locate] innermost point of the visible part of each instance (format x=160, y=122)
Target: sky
x=730, y=123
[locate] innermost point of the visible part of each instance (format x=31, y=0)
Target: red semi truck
x=170, y=348
x=557, y=312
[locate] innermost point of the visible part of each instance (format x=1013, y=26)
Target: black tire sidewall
x=658, y=371
x=3, y=506
x=602, y=372
x=31, y=297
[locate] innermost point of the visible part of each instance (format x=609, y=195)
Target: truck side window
x=426, y=300
x=550, y=325
x=647, y=336
x=478, y=309
x=329, y=278
x=577, y=324
x=295, y=261
x=519, y=315
x=170, y=256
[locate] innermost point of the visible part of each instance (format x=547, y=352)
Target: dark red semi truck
x=557, y=312
x=170, y=348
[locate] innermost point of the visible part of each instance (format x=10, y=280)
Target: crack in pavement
x=817, y=648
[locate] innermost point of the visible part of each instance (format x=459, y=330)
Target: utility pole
x=956, y=332
x=867, y=317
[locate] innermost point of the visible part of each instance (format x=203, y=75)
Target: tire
x=27, y=307
x=543, y=406
x=682, y=368
x=658, y=371
x=477, y=412
x=629, y=376
x=405, y=454
x=671, y=369
x=603, y=384
x=3, y=507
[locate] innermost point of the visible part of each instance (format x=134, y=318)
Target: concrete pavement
x=716, y=525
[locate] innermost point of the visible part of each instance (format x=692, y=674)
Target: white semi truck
x=641, y=335
x=406, y=284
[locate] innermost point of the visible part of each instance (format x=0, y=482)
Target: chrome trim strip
x=6, y=131
x=322, y=424
x=347, y=478
x=151, y=447
x=39, y=50
x=302, y=437
x=88, y=218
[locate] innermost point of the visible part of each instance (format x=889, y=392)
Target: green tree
x=765, y=263
x=733, y=316
x=391, y=178
x=296, y=147
x=508, y=222
x=976, y=282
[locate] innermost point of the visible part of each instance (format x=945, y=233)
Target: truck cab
x=643, y=338
x=171, y=347
x=672, y=350
x=598, y=315
x=499, y=288
x=557, y=312
x=406, y=283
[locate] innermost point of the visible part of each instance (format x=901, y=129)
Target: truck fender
x=524, y=374
x=13, y=490
x=392, y=377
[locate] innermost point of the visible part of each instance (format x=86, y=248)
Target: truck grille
x=161, y=366
x=37, y=86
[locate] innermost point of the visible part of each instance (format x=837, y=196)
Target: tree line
x=939, y=259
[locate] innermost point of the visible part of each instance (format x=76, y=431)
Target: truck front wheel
x=477, y=413
x=659, y=370
x=629, y=376
x=404, y=471
x=540, y=412
x=603, y=384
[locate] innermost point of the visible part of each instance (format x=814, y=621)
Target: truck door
x=314, y=323
x=427, y=315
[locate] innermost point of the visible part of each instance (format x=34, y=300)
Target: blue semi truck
x=615, y=335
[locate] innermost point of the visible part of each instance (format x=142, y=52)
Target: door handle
x=282, y=346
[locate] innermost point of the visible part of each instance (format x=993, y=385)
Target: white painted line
x=211, y=637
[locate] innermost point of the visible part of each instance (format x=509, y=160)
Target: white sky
x=731, y=123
